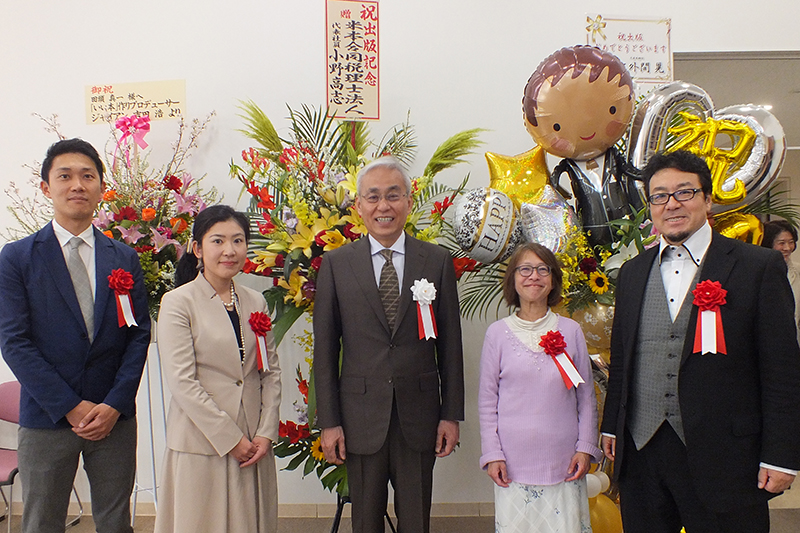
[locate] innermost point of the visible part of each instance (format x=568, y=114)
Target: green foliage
x=451, y=151
x=260, y=129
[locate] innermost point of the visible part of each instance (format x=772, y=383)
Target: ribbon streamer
x=426, y=322
x=262, y=360
x=567, y=369
x=709, y=336
x=125, y=314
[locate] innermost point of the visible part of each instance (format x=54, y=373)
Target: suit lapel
x=716, y=266
x=364, y=274
x=49, y=253
x=636, y=282
x=414, y=267
x=104, y=263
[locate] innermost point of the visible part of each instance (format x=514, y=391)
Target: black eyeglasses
x=683, y=195
x=527, y=270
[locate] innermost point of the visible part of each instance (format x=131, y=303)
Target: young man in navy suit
x=79, y=369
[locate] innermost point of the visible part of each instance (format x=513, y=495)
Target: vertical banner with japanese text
x=353, y=86
x=159, y=100
x=642, y=44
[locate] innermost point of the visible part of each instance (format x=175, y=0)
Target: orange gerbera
x=148, y=214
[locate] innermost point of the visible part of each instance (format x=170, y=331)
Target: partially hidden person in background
x=782, y=236
x=221, y=367
x=702, y=414
x=537, y=404
x=79, y=365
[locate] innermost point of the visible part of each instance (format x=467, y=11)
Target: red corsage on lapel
x=555, y=346
x=121, y=282
x=709, y=336
x=260, y=323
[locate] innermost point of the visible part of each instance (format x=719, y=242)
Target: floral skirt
x=562, y=508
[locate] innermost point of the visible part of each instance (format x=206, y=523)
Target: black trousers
x=657, y=494
x=411, y=475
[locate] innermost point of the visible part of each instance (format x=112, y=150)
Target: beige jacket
x=208, y=382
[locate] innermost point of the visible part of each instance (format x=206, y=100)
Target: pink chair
x=9, y=411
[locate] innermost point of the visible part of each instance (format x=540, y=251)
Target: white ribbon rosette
x=424, y=294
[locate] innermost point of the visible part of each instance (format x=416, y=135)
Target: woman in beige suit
x=219, y=470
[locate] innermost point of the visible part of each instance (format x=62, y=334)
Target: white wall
x=453, y=64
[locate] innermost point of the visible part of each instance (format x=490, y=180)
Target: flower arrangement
x=303, y=191
x=151, y=211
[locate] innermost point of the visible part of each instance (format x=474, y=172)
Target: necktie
x=389, y=288
x=80, y=282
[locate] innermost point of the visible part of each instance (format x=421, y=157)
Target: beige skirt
x=211, y=494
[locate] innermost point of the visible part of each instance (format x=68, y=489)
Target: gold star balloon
x=522, y=177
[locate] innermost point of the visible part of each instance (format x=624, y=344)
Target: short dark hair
x=186, y=270
x=548, y=258
x=773, y=228
x=70, y=146
x=679, y=160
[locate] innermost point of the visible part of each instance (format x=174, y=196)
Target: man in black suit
x=704, y=423
x=394, y=403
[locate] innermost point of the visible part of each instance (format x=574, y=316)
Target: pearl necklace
x=230, y=307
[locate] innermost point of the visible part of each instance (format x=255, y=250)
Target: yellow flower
x=303, y=239
x=355, y=219
x=264, y=259
x=316, y=449
x=295, y=288
x=333, y=239
x=598, y=282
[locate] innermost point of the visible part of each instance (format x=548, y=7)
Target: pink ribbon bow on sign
x=134, y=127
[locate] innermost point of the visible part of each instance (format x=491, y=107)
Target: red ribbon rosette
x=260, y=323
x=121, y=282
x=709, y=336
x=556, y=347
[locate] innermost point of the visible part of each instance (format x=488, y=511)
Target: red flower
x=440, y=207
x=303, y=432
x=260, y=323
x=120, y=281
x=588, y=265
x=125, y=213
x=265, y=228
x=318, y=238
x=349, y=233
x=249, y=267
x=709, y=295
x=173, y=183
x=464, y=264
x=302, y=386
x=288, y=156
x=316, y=262
x=553, y=343
x=143, y=248
x=280, y=260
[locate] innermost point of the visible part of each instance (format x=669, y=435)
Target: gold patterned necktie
x=389, y=288
x=80, y=282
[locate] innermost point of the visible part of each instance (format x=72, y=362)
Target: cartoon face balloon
x=578, y=102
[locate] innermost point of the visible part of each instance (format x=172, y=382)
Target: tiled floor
x=783, y=521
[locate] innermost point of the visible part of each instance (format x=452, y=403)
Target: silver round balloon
x=764, y=163
x=486, y=225
x=656, y=113
x=548, y=221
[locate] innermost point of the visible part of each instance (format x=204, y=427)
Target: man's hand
x=78, y=412
x=446, y=437
x=578, y=466
x=262, y=444
x=774, y=481
x=332, y=442
x=497, y=471
x=97, y=423
x=609, y=447
x=244, y=450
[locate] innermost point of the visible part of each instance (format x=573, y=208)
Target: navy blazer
x=738, y=409
x=43, y=336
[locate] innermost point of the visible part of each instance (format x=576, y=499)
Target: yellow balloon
x=522, y=177
x=741, y=226
x=605, y=515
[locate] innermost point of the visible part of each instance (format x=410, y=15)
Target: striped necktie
x=80, y=282
x=389, y=288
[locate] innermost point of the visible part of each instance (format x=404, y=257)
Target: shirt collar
x=696, y=245
x=399, y=245
x=63, y=235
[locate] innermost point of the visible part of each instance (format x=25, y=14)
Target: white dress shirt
x=398, y=257
x=679, y=266
x=86, y=250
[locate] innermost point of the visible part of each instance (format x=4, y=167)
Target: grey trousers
x=48, y=461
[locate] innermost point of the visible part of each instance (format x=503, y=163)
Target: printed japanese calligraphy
x=159, y=100
x=642, y=44
x=352, y=51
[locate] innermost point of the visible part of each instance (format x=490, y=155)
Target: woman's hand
x=497, y=471
x=579, y=466
x=262, y=444
x=243, y=451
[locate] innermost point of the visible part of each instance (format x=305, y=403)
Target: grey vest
x=659, y=345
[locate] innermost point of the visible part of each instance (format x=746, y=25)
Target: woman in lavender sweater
x=537, y=405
